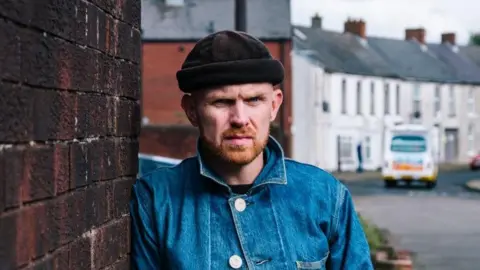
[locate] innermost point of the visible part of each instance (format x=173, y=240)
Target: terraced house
x=352, y=87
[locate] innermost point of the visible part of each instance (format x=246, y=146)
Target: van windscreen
x=408, y=144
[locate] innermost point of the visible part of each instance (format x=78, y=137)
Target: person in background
x=239, y=203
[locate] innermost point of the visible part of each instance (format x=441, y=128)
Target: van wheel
x=431, y=185
x=389, y=184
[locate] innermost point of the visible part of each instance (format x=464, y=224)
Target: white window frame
x=452, y=108
x=359, y=97
x=397, y=100
x=417, y=100
x=471, y=137
x=437, y=100
x=372, y=98
x=386, y=99
x=368, y=148
x=346, y=149
x=471, y=101
x=343, y=101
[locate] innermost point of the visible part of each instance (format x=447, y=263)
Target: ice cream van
x=409, y=156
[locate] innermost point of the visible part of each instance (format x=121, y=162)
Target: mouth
x=238, y=139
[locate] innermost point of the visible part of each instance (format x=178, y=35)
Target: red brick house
x=169, y=33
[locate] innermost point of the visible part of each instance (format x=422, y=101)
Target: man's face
x=234, y=120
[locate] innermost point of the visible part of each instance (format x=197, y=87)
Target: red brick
x=56, y=17
x=8, y=234
x=129, y=80
x=79, y=165
x=131, y=13
x=39, y=173
x=16, y=10
x=111, y=243
x=16, y=113
x=92, y=13
x=97, y=211
x=160, y=139
x=127, y=157
x=81, y=22
x=12, y=172
x=80, y=254
x=10, y=53
x=121, y=196
x=67, y=218
x=57, y=120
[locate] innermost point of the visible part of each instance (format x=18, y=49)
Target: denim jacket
x=295, y=216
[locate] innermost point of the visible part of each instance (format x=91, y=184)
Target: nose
x=238, y=115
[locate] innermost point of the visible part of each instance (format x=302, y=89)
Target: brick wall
x=69, y=114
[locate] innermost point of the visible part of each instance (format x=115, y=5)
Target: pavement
x=440, y=226
x=473, y=185
x=368, y=175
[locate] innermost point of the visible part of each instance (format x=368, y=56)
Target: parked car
x=475, y=162
x=148, y=163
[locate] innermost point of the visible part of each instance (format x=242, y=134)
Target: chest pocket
x=316, y=265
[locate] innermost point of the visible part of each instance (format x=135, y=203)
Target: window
x=346, y=148
x=372, y=98
x=397, y=100
x=416, y=98
x=437, y=101
x=387, y=99
x=368, y=148
x=344, y=97
x=359, y=97
x=408, y=144
x=471, y=137
x=471, y=101
x=452, y=110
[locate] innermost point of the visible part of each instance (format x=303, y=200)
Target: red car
x=475, y=163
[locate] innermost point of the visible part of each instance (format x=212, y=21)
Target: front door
x=451, y=145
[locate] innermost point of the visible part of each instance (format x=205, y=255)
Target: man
x=239, y=204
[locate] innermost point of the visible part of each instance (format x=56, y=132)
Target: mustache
x=239, y=132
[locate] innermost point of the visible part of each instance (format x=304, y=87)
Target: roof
x=266, y=19
x=341, y=52
x=471, y=52
x=412, y=60
x=463, y=68
x=386, y=57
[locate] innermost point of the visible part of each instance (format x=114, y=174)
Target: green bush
x=375, y=236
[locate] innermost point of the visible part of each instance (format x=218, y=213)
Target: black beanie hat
x=228, y=57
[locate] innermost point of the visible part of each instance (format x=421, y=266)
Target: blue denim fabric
x=297, y=216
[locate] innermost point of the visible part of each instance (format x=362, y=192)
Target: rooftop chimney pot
x=316, y=21
x=356, y=27
x=449, y=37
x=415, y=33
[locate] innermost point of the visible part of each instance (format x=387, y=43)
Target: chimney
x=448, y=37
x=415, y=33
x=316, y=21
x=356, y=27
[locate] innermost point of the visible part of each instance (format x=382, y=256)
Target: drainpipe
x=281, y=138
x=241, y=15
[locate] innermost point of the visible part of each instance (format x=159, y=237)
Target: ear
x=277, y=101
x=188, y=106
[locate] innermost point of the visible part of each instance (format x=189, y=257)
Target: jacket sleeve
x=349, y=247
x=144, y=247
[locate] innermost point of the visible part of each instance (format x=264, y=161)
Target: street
x=441, y=226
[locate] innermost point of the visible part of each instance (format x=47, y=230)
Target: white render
x=315, y=132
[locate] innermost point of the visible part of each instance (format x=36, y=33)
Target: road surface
x=442, y=226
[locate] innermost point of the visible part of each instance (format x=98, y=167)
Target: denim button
x=235, y=262
x=240, y=204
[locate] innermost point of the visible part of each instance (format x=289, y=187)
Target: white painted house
x=348, y=88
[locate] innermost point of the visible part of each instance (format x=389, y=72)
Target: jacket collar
x=273, y=172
